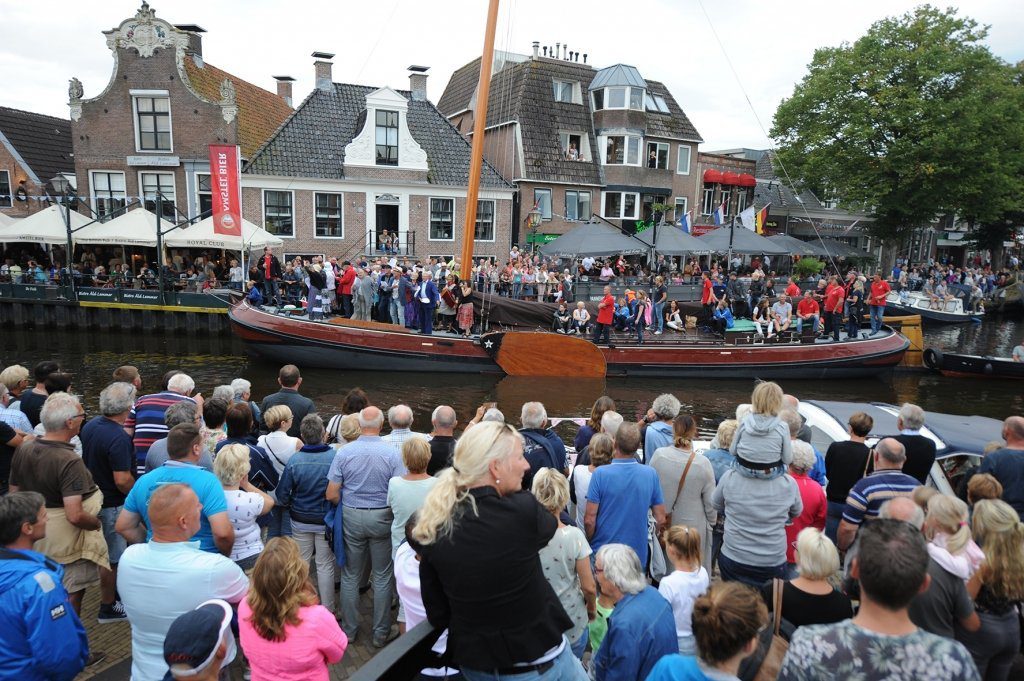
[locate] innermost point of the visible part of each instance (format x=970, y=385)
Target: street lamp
x=63, y=187
x=533, y=220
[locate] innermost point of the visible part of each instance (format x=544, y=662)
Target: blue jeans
x=280, y=523
x=659, y=317
x=800, y=323
x=752, y=575
x=835, y=514
x=116, y=544
x=876, y=317
x=397, y=311
x=640, y=326
x=269, y=291
x=580, y=646
x=566, y=668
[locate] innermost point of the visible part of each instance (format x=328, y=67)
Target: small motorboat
x=950, y=311
x=976, y=366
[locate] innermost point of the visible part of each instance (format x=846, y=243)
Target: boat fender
x=988, y=368
x=933, y=358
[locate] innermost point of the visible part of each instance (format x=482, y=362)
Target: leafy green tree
x=915, y=119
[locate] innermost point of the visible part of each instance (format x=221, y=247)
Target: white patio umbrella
x=134, y=228
x=45, y=227
x=201, y=235
x=6, y=220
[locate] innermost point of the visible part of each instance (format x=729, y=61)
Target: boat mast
x=476, y=161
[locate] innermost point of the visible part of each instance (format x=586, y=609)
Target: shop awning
x=45, y=227
x=712, y=176
x=729, y=177
x=747, y=180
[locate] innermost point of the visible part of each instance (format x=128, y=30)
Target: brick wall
x=105, y=134
x=16, y=173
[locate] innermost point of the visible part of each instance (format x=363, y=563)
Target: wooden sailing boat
x=349, y=344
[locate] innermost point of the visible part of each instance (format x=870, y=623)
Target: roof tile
x=43, y=141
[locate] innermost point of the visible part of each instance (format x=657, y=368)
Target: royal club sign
x=227, y=197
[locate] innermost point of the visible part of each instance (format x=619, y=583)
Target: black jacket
x=484, y=582
x=300, y=405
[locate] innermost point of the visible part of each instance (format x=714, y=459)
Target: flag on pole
x=684, y=221
x=761, y=219
x=747, y=219
x=719, y=215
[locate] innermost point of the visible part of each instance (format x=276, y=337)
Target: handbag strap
x=777, y=585
x=682, y=481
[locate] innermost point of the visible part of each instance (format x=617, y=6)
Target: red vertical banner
x=227, y=195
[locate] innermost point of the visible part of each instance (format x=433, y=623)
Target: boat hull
x=363, y=346
x=972, y=366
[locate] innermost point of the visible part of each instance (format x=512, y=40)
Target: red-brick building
x=33, y=150
x=149, y=130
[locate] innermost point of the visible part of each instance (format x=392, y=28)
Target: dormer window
x=387, y=138
x=619, y=98
x=655, y=103
x=567, y=91
x=574, y=145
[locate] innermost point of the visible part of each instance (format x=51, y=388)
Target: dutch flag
x=684, y=221
x=719, y=215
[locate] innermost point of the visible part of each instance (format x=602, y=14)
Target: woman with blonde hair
x=599, y=450
x=566, y=559
x=284, y=631
x=727, y=623
x=277, y=443
x=687, y=481
x=478, y=536
x=997, y=588
x=762, y=440
x=686, y=583
x=949, y=536
x=246, y=503
x=406, y=493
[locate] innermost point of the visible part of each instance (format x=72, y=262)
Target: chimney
x=284, y=88
x=322, y=69
x=195, y=37
x=418, y=82
x=584, y=57
x=536, y=49
x=558, y=50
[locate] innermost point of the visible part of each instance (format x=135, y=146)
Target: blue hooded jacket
x=42, y=638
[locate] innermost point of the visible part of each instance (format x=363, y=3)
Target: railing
x=374, y=247
x=403, y=658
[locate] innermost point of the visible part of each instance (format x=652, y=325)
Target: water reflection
x=215, y=360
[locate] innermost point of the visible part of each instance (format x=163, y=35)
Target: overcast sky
x=42, y=45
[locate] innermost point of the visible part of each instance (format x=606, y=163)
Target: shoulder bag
x=771, y=664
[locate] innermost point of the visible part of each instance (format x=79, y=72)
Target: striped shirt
x=867, y=496
x=147, y=418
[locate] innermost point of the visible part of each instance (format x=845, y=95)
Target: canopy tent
x=6, y=220
x=45, y=227
x=674, y=241
x=593, y=238
x=837, y=249
x=201, y=235
x=134, y=228
x=744, y=242
x=795, y=246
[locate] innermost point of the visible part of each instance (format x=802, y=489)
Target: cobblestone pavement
x=115, y=640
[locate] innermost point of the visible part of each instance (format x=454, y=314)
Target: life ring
x=933, y=358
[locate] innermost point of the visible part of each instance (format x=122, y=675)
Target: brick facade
x=722, y=163
x=18, y=177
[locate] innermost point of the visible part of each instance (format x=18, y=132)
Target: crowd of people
x=203, y=522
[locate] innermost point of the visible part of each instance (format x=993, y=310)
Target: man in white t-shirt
x=407, y=583
x=168, y=576
x=782, y=314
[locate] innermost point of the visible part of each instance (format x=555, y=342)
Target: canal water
x=212, y=361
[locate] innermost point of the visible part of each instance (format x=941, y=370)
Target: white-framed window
x=328, y=211
x=597, y=99
x=724, y=200
x=619, y=97
x=683, y=159
x=108, y=192
x=707, y=205
x=621, y=205
x=657, y=155
x=542, y=199
x=622, y=150
x=442, y=220
x=279, y=212
x=636, y=98
x=574, y=145
x=204, y=194
x=484, y=220
x=566, y=91
x=152, y=185
x=152, y=122
x=6, y=198
x=387, y=138
x=616, y=97
x=741, y=201
x=577, y=205
x=682, y=205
